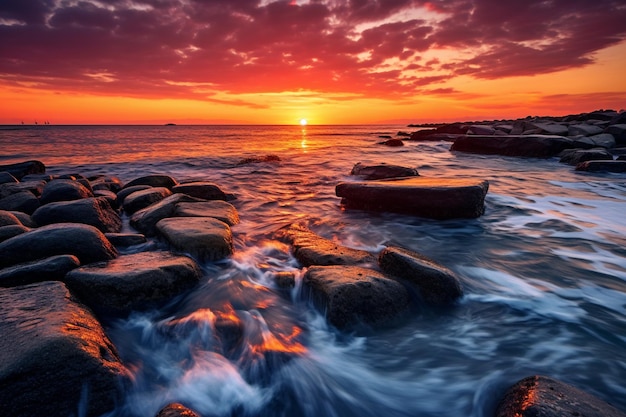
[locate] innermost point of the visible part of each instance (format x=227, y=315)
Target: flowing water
x=544, y=274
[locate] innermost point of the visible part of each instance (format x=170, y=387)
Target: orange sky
x=276, y=62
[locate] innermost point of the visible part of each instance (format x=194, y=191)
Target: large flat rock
x=96, y=212
x=203, y=237
x=145, y=220
x=53, y=350
x=436, y=198
x=217, y=209
x=536, y=146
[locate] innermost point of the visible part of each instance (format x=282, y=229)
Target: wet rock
x=203, y=190
x=576, y=156
x=437, y=137
x=22, y=169
x=53, y=268
x=109, y=196
x=38, y=178
x=85, y=242
x=392, y=142
x=63, y=190
x=541, y=396
x=259, y=159
x=583, y=129
x=284, y=279
x=133, y=282
x=546, y=128
x=104, y=182
x=6, y=177
x=35, y=187
x=436, y=284
x=52, y=353
x=96, y=212
x=536, y=146
x=176, y=410
x=24, y=201
x=603, y=140
x=216, y=209
x=7, y=219
x=311, y=249
x=144, y=198
x=382, y=171
x=352, y=295
x=619, y=133
x=204, y=237
x=125, y=240
x=154, y=180
x=436, y=198
x=602, y=166
x=24, y=218
x=145, y=220
x=481, y=130
x=122, y=194
x=7, y=232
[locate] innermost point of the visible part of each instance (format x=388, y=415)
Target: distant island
x=170, y=124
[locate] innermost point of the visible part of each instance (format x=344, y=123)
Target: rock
x=453, y=128
x=583, y=129
x=125, y=240
x=154, y=180
x=85, y=242
x=6, y=177
x=7, y=219
x=109, y=196
x=284, y=279
x=576, y=156
x=259, y=159
x=122, y=194
x=7, y=232
x=133, y=282
x=35, y=187
x=53, y=268
x=436, y=284
x=481, y=130
x=541, y=396
x=54, y=355
x=145, y=220
x=103, y=182
x=176, y=410
x=22, y=169
x=311, y=249
x=203, y=190
x=536, y=146
x=204, y=237
x=216, y=209
x=24, y=218
x=351, y=295
x=96, y=212
x=144, y=198
x=24, y=201
x=436, y=137
x=63, y=190
x=382, y=171
x=392, y=142
x=546, y=128
x=423, y=134
x=603, y=140
x=38, y=178
x=619, y=133
x=404, y=134
x=602, y=166
x=435, y=198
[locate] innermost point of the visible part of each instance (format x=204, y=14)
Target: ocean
x=543, y=271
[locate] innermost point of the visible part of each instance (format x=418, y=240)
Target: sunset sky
x=327, y=61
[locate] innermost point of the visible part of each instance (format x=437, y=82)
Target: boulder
x=122, y=194
x=204, y=237
x=7, y=232
x=6, y=177
x=96, y=212
x=382, y=171
x=436, y=198
x=84, y=241
x=176, y=410
x=104, y=182
x=284, y=279
x=546, y=128
x=541, y=396
x=259, y=159
x=54, y=355
x=536, y=146
x=603, y=140
x=109, y=196
x=352, y=295
x=203, y=190
x=602, y=166
x=453, y=128
x=38, y=178
x=217, y=209
x=145, y=220
x=63, y=190
x=24, y=218
x=53, y=268
x=155, y=180
x=22, y=169
x=436, y=284
x=7, y=218
x=576, y=156
x=144, y=198
x=619, y=133
x=583, y=129
x=311, y=249
x=481, y=130
x=133, y=282
x=10, y=188
x=24, y=201
x=125, y=239
x=392, y=142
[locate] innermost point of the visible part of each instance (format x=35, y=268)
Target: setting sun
x=303, y=122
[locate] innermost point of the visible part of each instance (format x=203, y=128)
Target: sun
x=303, y=122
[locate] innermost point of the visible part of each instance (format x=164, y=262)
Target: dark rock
x=602, y=166
x=436, y=198
x=22, y=169
x=38, y=178
x=35, y=187
x=176, y=410
x=85, y=242
x=133, y=282
x=53, y=268
x=122, y=194
x=351, y=295
x=545, y=128
x=423, y=134
x=24, y=218
x=203, y=190
x=403, y=134
x=96, y=212
x=536, y=146
x=481, y=130
x=109, y=196
x=311, y=249
x=63, y=190
x=453, y=128
x=584, y=130
x=24, y=201
x=603, y=140
x=204, y=237
x=7, y=219
x=621, y=158
x=144, y=198
x=382, y=171
x=576, y=156
x=52, y=352
x=541, y=396
x=619, y=133
x=145, y=220
x=103, y=182
x=155, y=180
x=7, y=232
x=125, y=240
x=259, y=159
x=284, y=279
x=437, y=284
x=437, y=137
x=6, y=177
x=606, y=115
x=216, y=209
x=392, y=142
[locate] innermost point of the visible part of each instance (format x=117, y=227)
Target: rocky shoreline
x=65, y=267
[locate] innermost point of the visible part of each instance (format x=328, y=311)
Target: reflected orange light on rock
x=283, y=343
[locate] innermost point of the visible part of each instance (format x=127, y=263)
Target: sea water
x=543, y=270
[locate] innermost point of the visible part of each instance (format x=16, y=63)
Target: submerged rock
x=54, y=355
x=63, y=190
x=216, y=209
x=537, y=146
x=382, y=171
x=155, y=180
x=144, y=198
x=436, y=198
x=602, y=166
x=204, y=237
x=259, y=159
x=176, y=410
x=53, y=268
x=392, y=142
x=96, y=212
x=203, y=190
